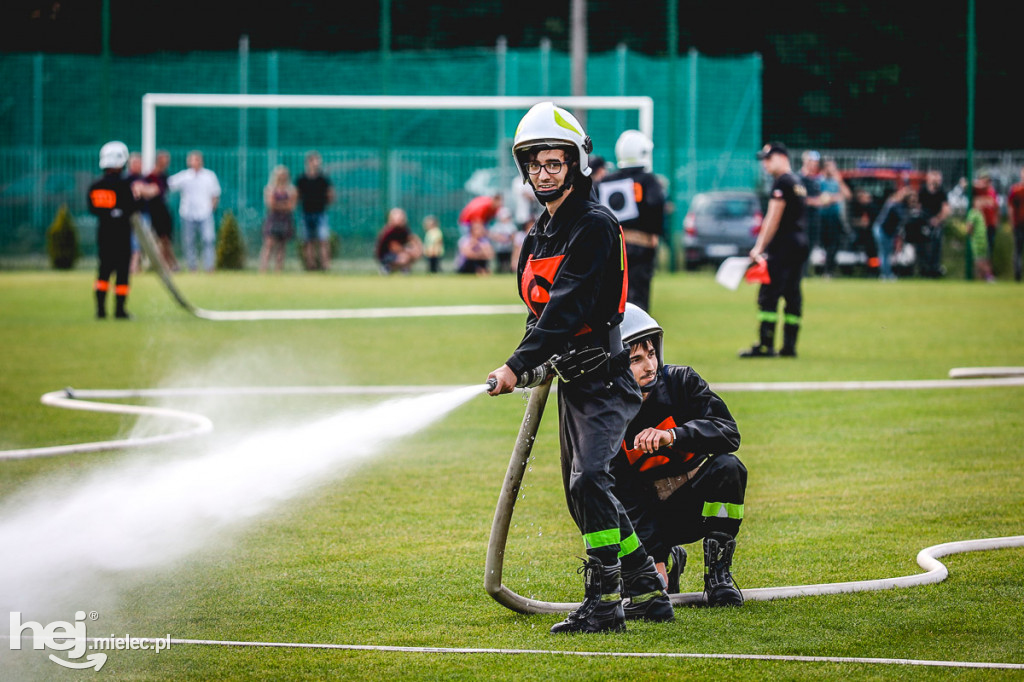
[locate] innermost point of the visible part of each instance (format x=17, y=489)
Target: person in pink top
x=1015, y=205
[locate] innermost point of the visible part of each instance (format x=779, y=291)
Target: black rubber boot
x=674, y=567
x=646, y=595
x=719, y=588
x=765, y=348
x=121, y=313
x=601, y=610
x=789, y=334
x=101, y=304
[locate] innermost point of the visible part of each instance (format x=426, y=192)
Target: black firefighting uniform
x=572, y=277
x=786, y=254
x=650, y=203
x=703, y=480
x=110, y=199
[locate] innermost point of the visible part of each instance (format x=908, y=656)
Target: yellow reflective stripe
x=723, y=510
x=565, y=124
x=629, y=545
x=602, y=538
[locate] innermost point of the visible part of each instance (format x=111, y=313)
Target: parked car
x=719, y=225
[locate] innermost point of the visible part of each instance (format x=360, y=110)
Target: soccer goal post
x=644, y=106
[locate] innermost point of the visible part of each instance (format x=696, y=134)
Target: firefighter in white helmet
x=572, y=277
x=637, y=198
x=112, y=201
x=676, y=472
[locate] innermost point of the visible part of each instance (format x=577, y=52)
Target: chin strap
x=550, y=195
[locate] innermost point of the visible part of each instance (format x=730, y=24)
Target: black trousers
x=641, y=261
x=115, y=255
x=710, y=502
x=593, y=413
x=786, y=272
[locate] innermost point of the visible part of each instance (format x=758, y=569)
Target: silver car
x=719, y=225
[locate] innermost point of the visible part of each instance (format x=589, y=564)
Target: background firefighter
x=572, y=277
x=782, y=242
x=111, y=200
x=637, y=198
x=675, y=473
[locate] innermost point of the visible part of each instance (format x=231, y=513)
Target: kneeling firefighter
x=676, y=473
x=572, y=278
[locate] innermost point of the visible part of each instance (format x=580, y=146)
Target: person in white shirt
x=200, y=192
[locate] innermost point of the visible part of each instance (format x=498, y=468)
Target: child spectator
x=433, y=243
x=977, y=235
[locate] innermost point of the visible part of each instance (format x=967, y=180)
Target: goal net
x=427, y=154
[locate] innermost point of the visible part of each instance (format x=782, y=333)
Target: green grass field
x=843, y=485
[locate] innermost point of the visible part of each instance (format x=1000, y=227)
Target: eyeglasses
x=552, y=167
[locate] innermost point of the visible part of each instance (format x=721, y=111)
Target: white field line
x=605, y=654
x=357, y=313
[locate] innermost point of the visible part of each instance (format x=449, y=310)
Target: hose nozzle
x=532, y=378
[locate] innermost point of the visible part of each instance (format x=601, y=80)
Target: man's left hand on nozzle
x=504, y=381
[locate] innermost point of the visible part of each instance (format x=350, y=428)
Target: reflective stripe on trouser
x=723, y=510
x=719, y=488
x=593, y=414
x=786, y=272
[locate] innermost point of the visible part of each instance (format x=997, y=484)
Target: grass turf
x=843, y=485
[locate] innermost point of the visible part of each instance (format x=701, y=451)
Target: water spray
x=61, y=540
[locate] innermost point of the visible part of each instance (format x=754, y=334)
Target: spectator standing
x=989, y=208
x=636, y=197
x=475, y=251
x=978, y=234
x=782, y=246
x=810, y=178
x=935, y=210
x=137, y=180
x=200, y=194
x=159, y=214
x=280, y=198
x=397, y=247
x=112, y=201
x=1015, y=206
x=316, y=193
x=834, y=195
x=433, y=243
x=888, y=226
x=572, y=278
x=502, y=234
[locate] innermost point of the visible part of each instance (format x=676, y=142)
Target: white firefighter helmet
x=113, y=155
x=638, y=325
x=634, y=149
x=546, y=125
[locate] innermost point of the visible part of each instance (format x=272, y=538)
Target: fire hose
x=927, y=558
